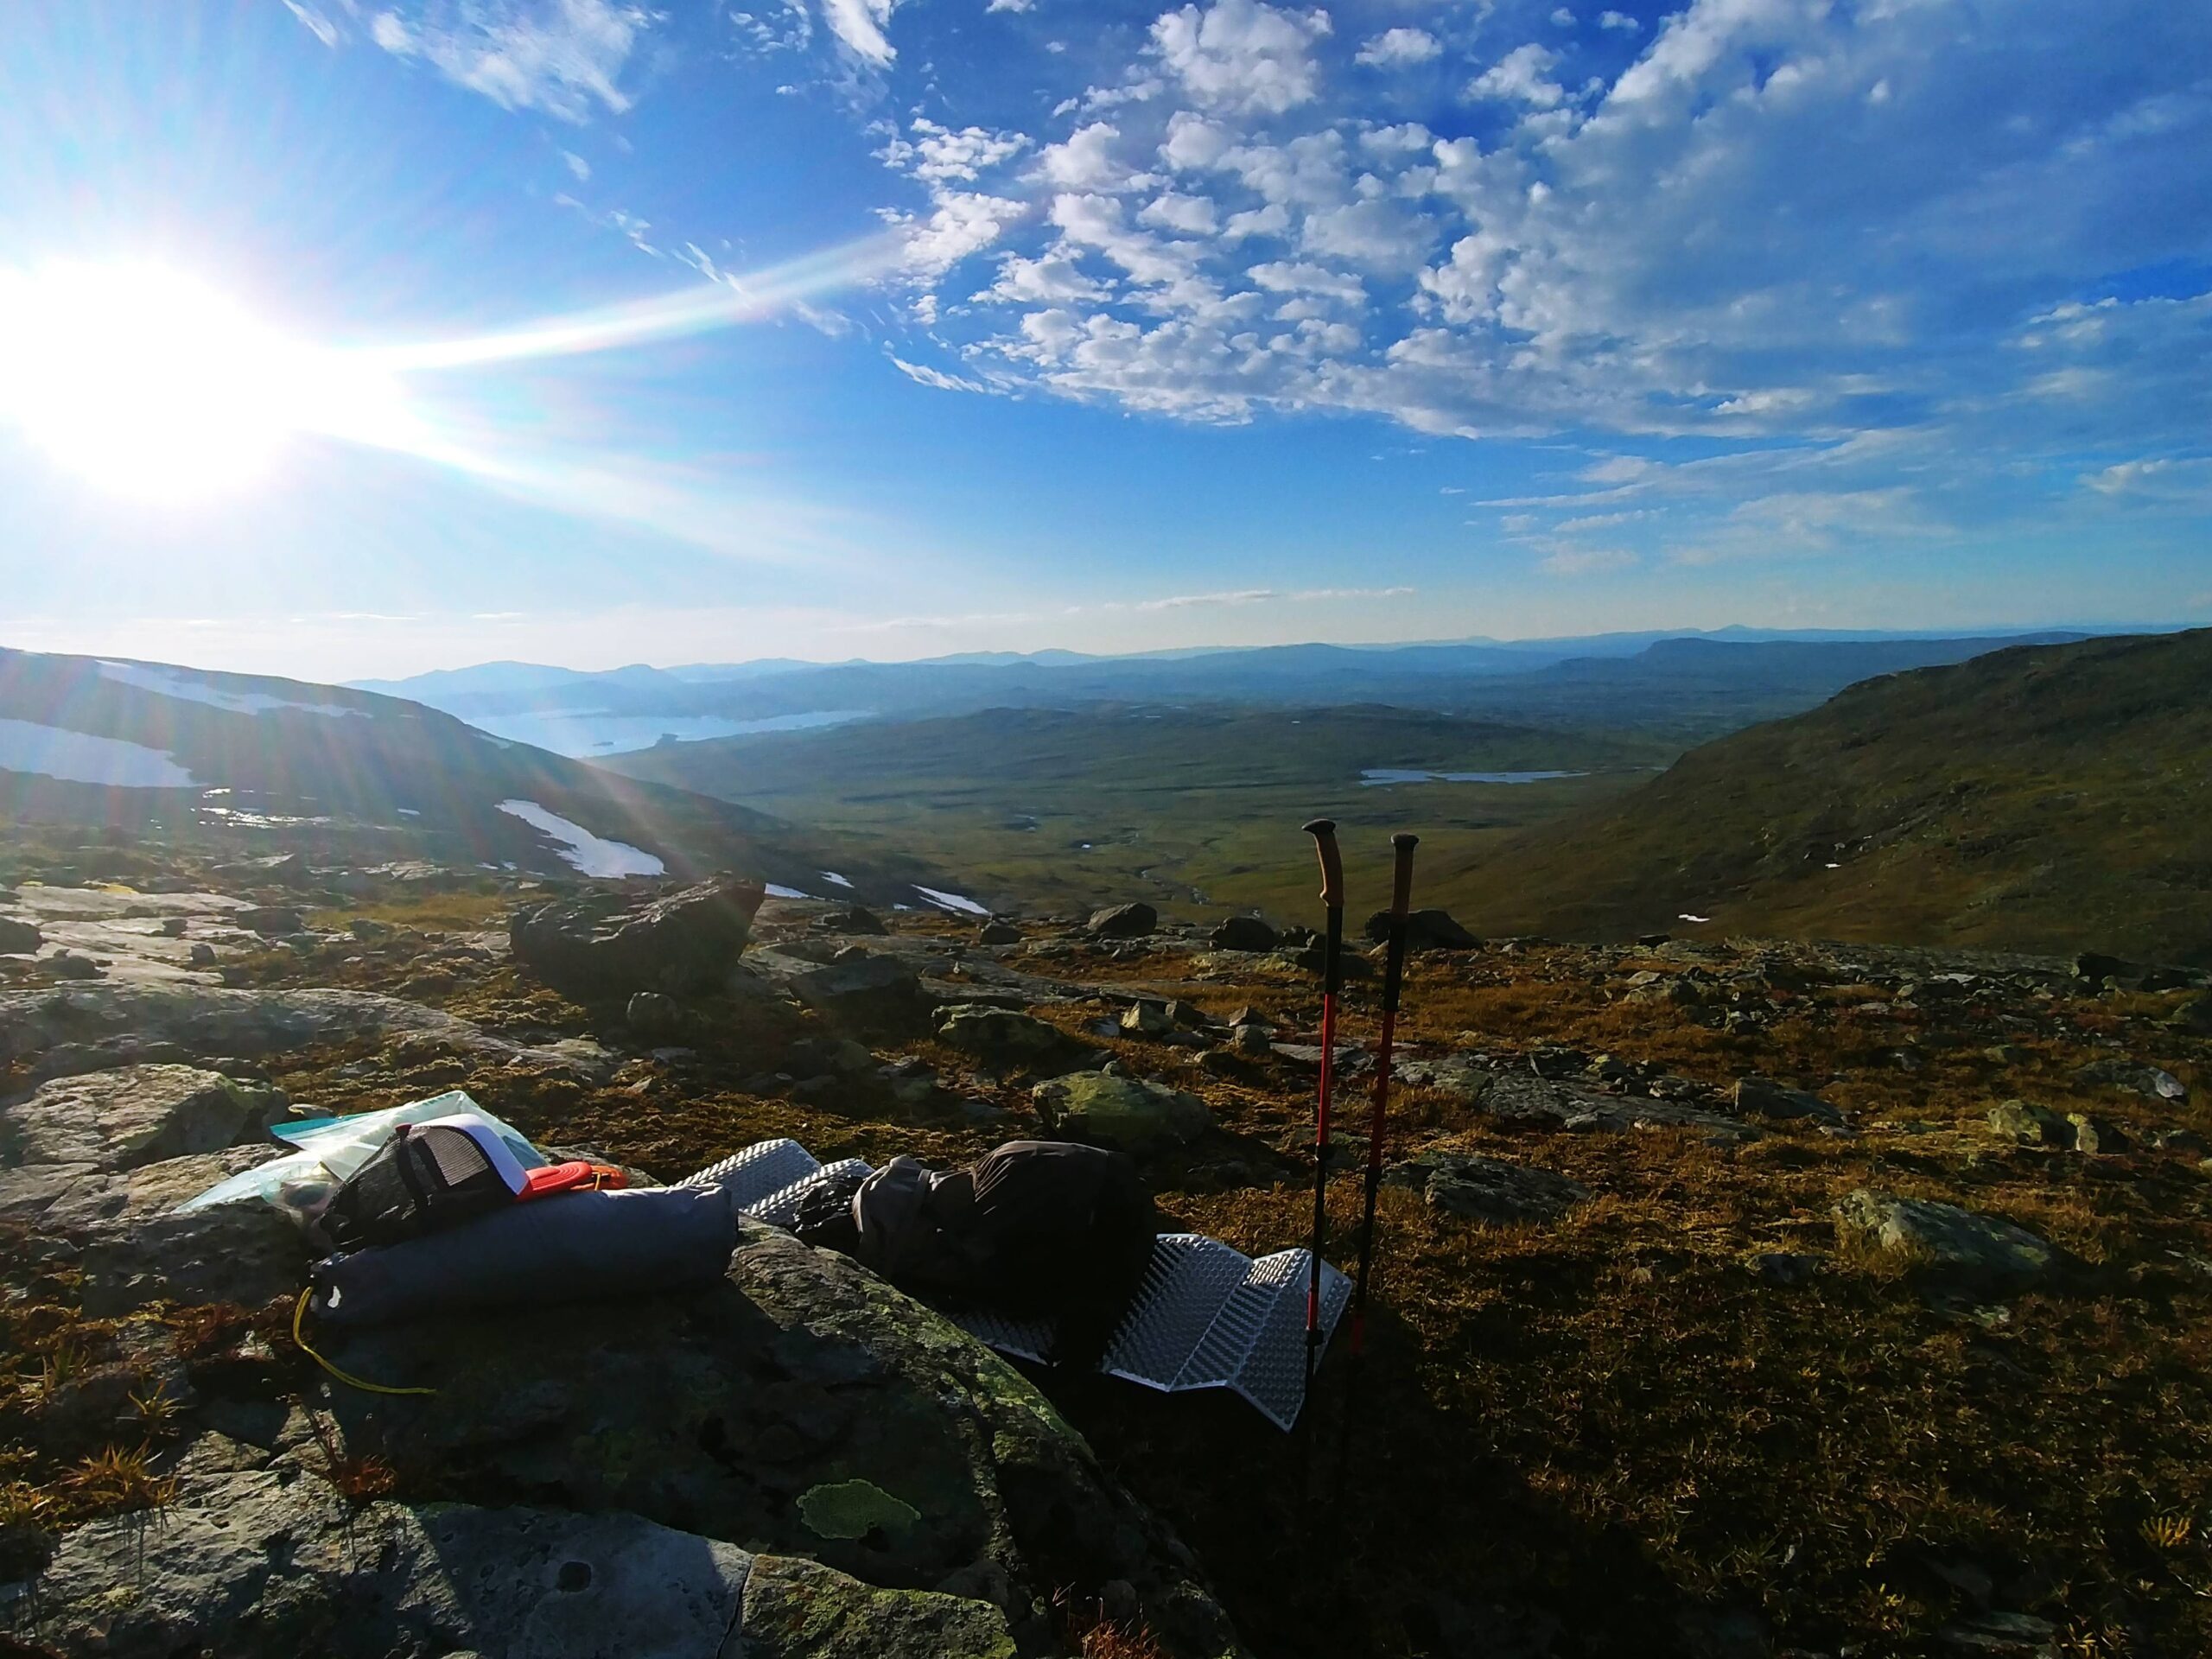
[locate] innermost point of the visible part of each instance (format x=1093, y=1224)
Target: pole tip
x=1319, y=826
x=1404, y=839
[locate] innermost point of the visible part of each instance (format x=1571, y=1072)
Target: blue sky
x=887, y=327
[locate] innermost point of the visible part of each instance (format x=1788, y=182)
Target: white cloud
x=1053, y=280
x=1242, y=56
x=1085, y=161
x=577, y=165
x=1588, y=561
x=1192, y=215
x=1562, y=18
x=861, y=26
x=938, y=154
x=936, y=379
x=961, y=222
x=1521, y=74
x=314, y=21
x=1012, y=5
x=1397, y=48
x=560, y=57
x=1618, y=20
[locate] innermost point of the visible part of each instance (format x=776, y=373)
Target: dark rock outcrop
x=613, y=944
x=1426, y=929
x=1244, y=933
x=1124, y=921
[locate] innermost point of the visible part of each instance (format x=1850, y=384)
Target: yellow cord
x=299, y=1320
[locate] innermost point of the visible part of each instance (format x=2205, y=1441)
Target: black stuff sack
x=577, y=1247
x=427, y=1178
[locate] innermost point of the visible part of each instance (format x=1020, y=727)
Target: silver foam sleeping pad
x=1207, y=1315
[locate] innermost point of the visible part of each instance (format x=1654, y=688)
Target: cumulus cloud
x=1852, y=237
x=560, y=57
x=1397, y=48
x=1242, y=56
x=1523, y=74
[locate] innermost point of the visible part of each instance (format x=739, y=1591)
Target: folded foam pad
x=1207, y=1316
x=570, y=1247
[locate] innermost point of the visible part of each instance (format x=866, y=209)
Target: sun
x=146, y=382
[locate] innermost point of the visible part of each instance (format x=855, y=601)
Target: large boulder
x=69, y=1200
x=246, y=1255
x=1426, y=929
x=2025, y=1124
x=613, y=944
x=1778, y=1102
x=1244, y=933
x=1944, y=1239
x=1487, y=1189
x=855, y=987
x=1124, y=921
x=136, y=1114
x=268, y=1564
x=1001, y=1037
x=802, y=1409
x=1130, y=1113
x=19, y=938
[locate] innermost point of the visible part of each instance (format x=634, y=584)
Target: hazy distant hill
x=1693, y=687
x=2053, y=798
x=240, y=758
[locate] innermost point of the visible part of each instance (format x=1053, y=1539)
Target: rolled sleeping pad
x=576, y=1247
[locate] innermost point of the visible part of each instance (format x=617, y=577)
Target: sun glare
x=149, y=383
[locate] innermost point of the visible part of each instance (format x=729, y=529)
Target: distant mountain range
x=240, y=761
x=2044, y=798
x=1696, y=685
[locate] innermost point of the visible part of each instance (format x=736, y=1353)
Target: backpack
x=427, y=1178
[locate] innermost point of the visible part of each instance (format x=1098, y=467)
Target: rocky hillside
x=206, y=760
x=1735, y=1298
x=2036, y=799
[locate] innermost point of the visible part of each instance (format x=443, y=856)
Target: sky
x=342, y=338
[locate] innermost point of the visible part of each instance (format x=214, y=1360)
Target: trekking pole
x=1401, y=894
x=1401, y=889
x=1323, y=832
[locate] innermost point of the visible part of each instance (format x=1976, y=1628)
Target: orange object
x=575, y=1176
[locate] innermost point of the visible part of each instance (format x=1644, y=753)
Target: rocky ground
x=1734, y=1297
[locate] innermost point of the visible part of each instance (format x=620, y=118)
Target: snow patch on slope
x=162, y=683
x=81, y=758
x=951, y=900
x=591, y=853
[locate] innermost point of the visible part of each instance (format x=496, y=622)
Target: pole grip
x=1324, y=831
x=1401, y=882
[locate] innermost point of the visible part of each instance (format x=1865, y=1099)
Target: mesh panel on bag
x=458, y=1157
x=418, y=1182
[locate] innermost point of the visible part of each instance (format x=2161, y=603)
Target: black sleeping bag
x=576, y=1247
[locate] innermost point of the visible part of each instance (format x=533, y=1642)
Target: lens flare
x=148, y=383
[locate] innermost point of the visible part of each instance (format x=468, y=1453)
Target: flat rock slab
x=244, y=1253
x=215, y=1020
x=1517, y=1095
x=1945, y=1239
x=272, y=1563
x=134, y=1114
x=1488, y=1189
x=71, y=1200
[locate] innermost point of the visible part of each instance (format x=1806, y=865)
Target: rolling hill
x=208, y=760
x=2047, y=798
x=1688, y=687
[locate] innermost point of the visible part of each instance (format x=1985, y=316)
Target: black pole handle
x=1401, y=882
x=1324, y=831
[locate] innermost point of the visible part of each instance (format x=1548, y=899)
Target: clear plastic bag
x=331, y=1148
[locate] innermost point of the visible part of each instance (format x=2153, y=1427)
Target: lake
x=1376, y=777
x=581, y=734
